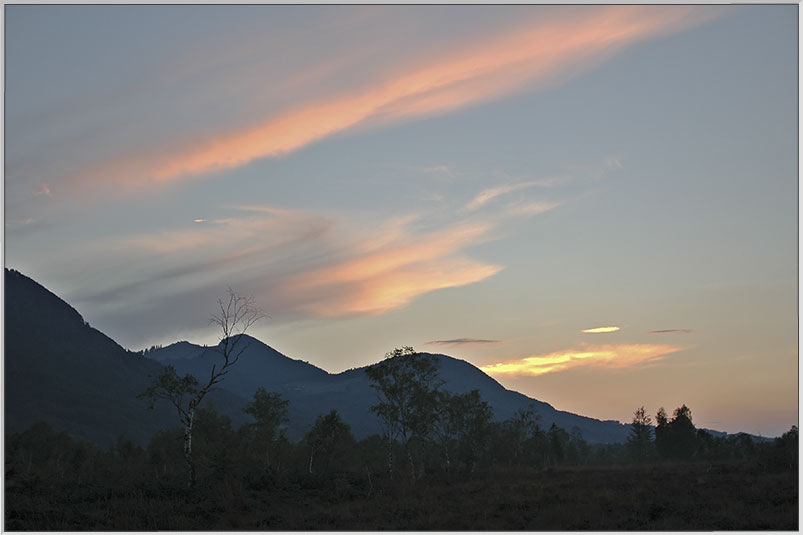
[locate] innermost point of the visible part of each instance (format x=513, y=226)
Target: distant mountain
x=312, y=391
x=258, y=365
x=60, y=370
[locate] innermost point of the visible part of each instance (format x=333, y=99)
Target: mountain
x=258, y=365
x=60, y=370
x=312, y=391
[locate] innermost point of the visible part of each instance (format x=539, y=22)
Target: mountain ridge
x=312, y=391
x=62, y=371
x=78, y=379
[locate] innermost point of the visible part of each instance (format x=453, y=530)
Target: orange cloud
x=382, y=293
x=606, y=356
x=536, y=53
x=597, y=330
x=386, y=273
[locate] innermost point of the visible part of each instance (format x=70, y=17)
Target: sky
x=596, y=205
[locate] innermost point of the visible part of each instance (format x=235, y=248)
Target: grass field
x=660, y=496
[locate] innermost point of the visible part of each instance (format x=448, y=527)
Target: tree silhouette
x=270, y=413
x=518, y=430
x=329, y=435
x=407, y=386
x=676, y=438
x=684, y=434
x=235, y=316
x=785, y=451
x=462, y=427
x=663, y=439
x=640, y=440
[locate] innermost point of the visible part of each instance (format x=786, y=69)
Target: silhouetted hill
x=259, y=364
x=60, y=370
x=312, y=391
x=350, y=392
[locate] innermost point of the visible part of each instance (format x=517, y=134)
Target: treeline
x=427, y=432
x=259, y=453
x=678, y=439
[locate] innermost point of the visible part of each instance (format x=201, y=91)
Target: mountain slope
x=258, y=365
x=351, y=394
x=60, y=370
x=312, y=391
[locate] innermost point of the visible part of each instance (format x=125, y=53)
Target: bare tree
x=234, y=317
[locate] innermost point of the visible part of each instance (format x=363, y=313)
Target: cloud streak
x=672, y=331
x=382, y=275
x=599, y=330
x=44, y=189
x=307, y=265
x=486, y=196
x=462, y=342
x=539, y=53
x=604, y=356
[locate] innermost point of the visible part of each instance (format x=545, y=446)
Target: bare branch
x=235, y=316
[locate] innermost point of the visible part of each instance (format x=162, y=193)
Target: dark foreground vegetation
x=55, y=483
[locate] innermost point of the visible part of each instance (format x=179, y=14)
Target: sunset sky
x=597, y=205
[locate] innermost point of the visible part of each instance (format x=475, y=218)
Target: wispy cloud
x=598, y=330
x=44, y=189
x=432, y=197
x=672, y=331
x=529, y=209
x=261, y=231
x=20, y=222
x=439, y=171
x=486, y=196
x=522, y=206
x=384, y=274
x=306, y=264
x=605, y=356
x=541, y=53
x=463, y=342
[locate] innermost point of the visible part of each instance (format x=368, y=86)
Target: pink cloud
x=383, y=274
x=545, y=52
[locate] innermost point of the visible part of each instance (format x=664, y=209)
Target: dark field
x=660, y=496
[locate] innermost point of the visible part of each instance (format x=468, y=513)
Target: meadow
x=68, y=485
